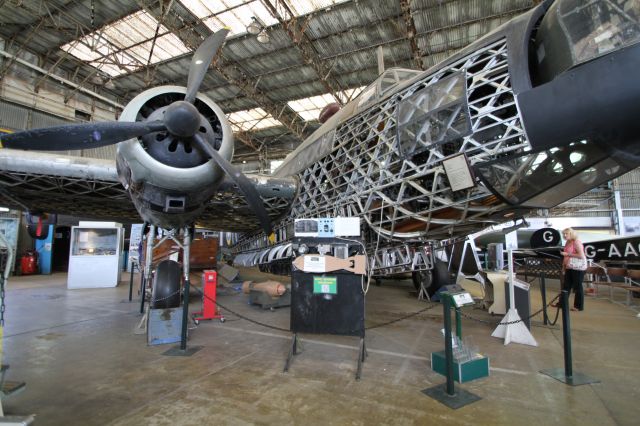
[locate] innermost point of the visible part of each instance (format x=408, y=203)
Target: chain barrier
x=384, y=324
x=273, y=327
x=555, y=320
x=152, y=301
x=402, y=318
x=492, y=323
x=215, y=302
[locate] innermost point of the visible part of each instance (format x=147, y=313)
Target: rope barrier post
x=567, y=374
x=543, y=292
x=131, y=282
x=448, y=347
x=446, y=394
x=142, y=293
x=566, y=335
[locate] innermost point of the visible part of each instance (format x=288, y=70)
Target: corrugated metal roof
x=342, y=36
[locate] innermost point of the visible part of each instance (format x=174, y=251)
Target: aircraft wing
x=89, y=188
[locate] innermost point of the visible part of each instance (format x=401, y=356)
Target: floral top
x=572, y=247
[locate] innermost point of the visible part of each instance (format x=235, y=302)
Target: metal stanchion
x=566, y=374
x=131, y=281
x=142, y=290
x=447, y=394
x=448, y=347
x=543, y=292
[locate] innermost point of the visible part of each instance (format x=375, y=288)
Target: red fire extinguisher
x=29, y=262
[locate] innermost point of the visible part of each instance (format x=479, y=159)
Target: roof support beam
x=53, y=18
x=389, y=43
x=33, y=32
x=410, y=25
x=296, y=33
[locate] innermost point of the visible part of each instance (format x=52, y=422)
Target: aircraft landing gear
x=430, y=281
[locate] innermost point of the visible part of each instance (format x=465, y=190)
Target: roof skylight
x=307, y=6
x=252, y=119
x=124, y=46
x=237, y=14
x=309, y=108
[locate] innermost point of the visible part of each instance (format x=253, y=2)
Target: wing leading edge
x=89, y=188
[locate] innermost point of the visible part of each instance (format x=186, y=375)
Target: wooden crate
x=203, y=252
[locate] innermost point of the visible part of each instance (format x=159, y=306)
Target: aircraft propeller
x=181, y=119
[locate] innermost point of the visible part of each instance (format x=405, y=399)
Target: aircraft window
x=557, y=167
x=367, y=94
x=598, y=27
x=385, y=82
x=589, y=175
x=537, y=160
x=576, y=157
x=576, y=31
x=436, y=114
x=543, y=179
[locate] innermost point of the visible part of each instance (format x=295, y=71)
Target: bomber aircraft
x=540, y=110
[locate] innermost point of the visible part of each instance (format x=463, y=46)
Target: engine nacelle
x=170, y=182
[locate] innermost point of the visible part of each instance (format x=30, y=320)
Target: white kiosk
x=95, y=258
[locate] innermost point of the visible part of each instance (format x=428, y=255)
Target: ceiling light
x=254, y=27
x=263, y=37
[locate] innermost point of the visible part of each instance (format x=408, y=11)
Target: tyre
x=432, y=279
x=165, y=291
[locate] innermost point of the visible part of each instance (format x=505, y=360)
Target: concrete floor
x=83, y=365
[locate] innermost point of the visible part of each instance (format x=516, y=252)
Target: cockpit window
x=576, y=31
x=546, y=178
x=387, y=81
x=597, y=27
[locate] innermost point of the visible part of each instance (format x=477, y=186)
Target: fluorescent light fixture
x=4, y=209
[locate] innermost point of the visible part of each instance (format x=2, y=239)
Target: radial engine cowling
x=169, y=179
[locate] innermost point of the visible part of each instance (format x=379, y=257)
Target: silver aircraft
x=538, y=111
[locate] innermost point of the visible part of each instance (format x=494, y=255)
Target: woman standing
x=573, y=266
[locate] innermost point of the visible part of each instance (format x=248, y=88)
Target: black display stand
x=327, y=303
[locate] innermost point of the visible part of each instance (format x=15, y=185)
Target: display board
x=331, y=303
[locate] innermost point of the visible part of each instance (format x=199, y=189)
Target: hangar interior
x=283, y=64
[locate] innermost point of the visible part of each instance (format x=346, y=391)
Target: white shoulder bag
x=577, y=263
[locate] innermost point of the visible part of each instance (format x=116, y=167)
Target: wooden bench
x=630, y=280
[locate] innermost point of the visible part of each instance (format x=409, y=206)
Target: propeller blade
x=78, y=136
x=250, y=192
x=201, y=60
